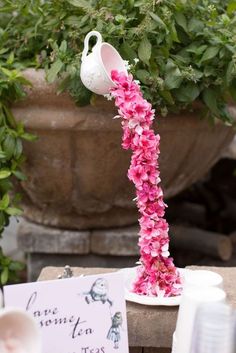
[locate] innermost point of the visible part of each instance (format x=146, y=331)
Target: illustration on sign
x=98, y=292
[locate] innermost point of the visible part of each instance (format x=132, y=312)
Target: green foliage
x=11, y=156
x=8, y=269
x=187, y=49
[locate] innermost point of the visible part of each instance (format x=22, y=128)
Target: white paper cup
x=192, y=298
x=213, y=329
x=202, y=278
x=19, y=326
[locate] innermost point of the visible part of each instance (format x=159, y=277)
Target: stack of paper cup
x=199, y=287
x=213, y=329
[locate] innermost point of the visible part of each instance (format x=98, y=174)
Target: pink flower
x=157, y=276
x=127, y=138
x=137, y=174
x=147, y=192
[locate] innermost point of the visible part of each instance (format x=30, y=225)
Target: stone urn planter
x=77, y=169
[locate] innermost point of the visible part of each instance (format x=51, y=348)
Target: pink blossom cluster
x=157, y=275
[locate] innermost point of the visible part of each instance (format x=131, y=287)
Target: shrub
x=187, y=49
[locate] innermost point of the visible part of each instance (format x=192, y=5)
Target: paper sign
x=76, y=315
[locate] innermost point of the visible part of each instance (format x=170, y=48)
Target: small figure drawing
x=114, y=332
x=98, y=292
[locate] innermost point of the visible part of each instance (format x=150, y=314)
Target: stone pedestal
x=151, y=328
x=46, y=246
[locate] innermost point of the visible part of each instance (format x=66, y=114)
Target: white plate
x=130, y=274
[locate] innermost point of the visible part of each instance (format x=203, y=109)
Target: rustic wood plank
x=205, y=242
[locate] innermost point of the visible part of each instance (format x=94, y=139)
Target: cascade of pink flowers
x=157, y=274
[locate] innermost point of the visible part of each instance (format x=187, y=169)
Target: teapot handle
x=86, y=42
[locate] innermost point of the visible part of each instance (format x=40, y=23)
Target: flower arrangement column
x=157, y=275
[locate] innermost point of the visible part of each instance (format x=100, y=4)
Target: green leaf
x=182, y=59
x=209, y=70
x=24, y=81
x=120, y=18
x=3, y=50
x=210, y=99
x=167, y=96
x=63, y=46
x=10, y=117
x=5, y=8
x=231, y=7
x=210, y=53
x=21, y=176
x=173, y=80
x=63, y=84
x=5, y=185
x=9, y=146
x=196, y=49
x=195, y=25
x=10, y=59
x=2, y=155
x=173, y=77
x=14, y=211
x=158, y=20
x=84, y=4
x=3, y=222
x=143, y=76
x=7, y=72
x=54, y=70
x=29, y=137
x=201, y=49
x=4, y=275
x=2, y=133
x=173, y=33
x=4, y=202
x=79, y=92
x=127, y=52
x=145, y=50
x=181, y=21
x=4, y=173
x=18, y=148
x=187, y=93
x=74, y=21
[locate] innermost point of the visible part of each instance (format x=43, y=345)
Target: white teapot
x=96, y=67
